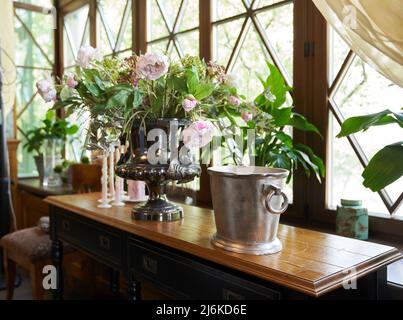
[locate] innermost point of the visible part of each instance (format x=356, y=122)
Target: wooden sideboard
x=30, y=196
x=179, y=259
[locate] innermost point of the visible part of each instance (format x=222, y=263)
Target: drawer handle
x=230, y=295
x=66, y=225
x=150, y=264
x=104, y=242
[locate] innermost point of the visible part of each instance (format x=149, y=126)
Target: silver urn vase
x=157, y=156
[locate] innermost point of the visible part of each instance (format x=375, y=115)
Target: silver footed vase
x=157, y=156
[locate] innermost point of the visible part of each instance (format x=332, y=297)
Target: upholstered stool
x=30, y=249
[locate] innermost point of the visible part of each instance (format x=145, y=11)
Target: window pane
x=225, y=38
x=171, y=27
x=227, y=8
x=34, y=59
x=114, y=16
x=251, y=63
x=278, y=24
x=344, y=175
x=75, y=34
x=338, y=51
x=34, y=45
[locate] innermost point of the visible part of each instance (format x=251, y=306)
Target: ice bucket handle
x=271, y=191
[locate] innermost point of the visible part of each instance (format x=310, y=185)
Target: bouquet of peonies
x=116, y=91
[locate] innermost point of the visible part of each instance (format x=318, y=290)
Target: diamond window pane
x=111, y=24
x=278, y=24
x=112, y=11
x=34, y=43
x=157, y=26
x=227, y=8
x=225, y=36
x=344, y=175
x=75, y=34
x=365, y=91
x=189, y=42
x=338, y=51
x=190, y=18
x=251, y=63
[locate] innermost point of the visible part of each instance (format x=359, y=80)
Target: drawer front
x=102, y=242
x=185, y=278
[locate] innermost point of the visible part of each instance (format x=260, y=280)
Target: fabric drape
x=373, y=29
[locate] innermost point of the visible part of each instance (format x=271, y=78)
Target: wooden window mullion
x=139, y=26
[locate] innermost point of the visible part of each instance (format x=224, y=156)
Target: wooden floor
x=23, y=292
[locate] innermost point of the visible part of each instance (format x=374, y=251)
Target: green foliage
x=275, y=147
x=386, y=166
x=51, y=128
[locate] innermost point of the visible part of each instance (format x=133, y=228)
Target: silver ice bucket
x=247, y=203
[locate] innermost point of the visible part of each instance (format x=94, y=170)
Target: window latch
x=308, y=49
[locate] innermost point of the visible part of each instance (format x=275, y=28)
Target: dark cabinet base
x=176, y=274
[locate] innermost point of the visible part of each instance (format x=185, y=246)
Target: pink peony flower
x=189, y=103
x=234, y=100
x=71, y=82
x=198, y=134
x=46, y=89
x=86, y=55
x=247, y=116
x=152, y=66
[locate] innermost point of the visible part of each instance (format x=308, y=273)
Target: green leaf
x=314, y=158
x=93, y=89
x=137, y=99
x=203, y=90
x=281, y=117
x=177, y=83
x=118, y=100
x=284, y=138
x=362, y=123
x=192, y=80
x=300, y=122
x=73, y=129
x=275, y=86
x=384, y=168
x=50, y=115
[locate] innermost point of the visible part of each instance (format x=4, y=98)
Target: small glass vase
x=51, y=157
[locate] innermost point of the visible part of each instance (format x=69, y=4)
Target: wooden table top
x=311, y=262
x=34, y=185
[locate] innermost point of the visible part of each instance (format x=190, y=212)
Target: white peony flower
x=198, y=134
x=86, y=55
x=152, y=66
x=46, y=89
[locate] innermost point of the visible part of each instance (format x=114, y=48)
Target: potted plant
x=52, y=128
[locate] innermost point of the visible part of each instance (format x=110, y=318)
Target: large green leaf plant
x=386, y=166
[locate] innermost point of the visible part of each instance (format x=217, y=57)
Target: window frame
x=310, y=94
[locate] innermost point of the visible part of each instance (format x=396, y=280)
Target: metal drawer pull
x=104, y=242
x=66, y=225
x=150, y=264
x=230, y=295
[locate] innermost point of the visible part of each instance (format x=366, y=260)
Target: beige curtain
x=7, y=61
x=373, y=29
